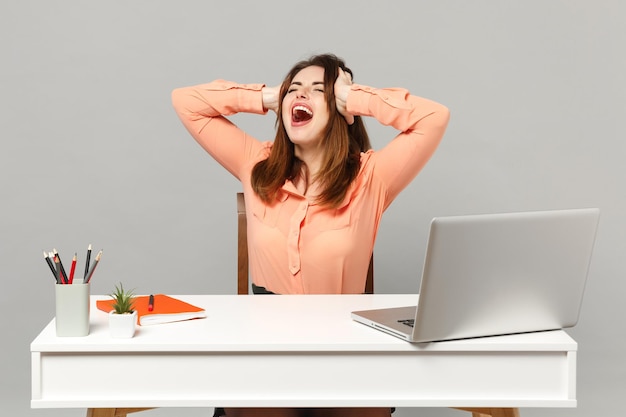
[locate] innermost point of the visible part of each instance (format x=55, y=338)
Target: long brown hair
x=343, y=144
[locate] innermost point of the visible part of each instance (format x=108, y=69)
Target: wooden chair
x=243, y=282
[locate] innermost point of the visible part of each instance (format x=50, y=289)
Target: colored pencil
x=63, y=274
x=58, y=269
x=72, y=269
x=93, y=267
x=87, y=260
x=50, y=264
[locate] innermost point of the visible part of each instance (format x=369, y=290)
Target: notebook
x=165, y=309
x=495, y=274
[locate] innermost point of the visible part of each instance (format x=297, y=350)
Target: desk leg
x=113, y=412
x=491, y=412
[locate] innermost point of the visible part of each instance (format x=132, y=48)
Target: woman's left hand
x=270, y=98
x=342, y=88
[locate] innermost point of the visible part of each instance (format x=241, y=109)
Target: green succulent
x=124, y=300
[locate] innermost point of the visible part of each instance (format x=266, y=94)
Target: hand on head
x=271, y=97
x=342, y=88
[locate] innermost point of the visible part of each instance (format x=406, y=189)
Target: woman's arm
x=422, y=123
x=202, y=109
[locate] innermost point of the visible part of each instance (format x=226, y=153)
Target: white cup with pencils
x=72, y=309
x=72, y=295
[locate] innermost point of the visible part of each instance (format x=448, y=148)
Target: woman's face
x=304, y=109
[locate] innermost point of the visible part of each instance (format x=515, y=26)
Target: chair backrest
x=243, y=283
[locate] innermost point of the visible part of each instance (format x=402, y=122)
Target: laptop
x=496, y=274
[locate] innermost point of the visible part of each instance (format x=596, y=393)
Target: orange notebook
x=166, y=309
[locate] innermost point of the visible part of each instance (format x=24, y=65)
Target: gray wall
x=92, y=151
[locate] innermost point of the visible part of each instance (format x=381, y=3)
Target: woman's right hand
x=342, y=88
x=270, y=98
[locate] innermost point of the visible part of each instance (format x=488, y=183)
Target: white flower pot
x=122, y=325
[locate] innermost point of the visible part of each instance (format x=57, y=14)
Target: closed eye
x=297, y=85
x=291, y=90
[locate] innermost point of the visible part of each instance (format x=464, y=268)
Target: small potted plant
x=123, y=318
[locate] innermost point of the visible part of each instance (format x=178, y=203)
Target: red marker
x=151, y=303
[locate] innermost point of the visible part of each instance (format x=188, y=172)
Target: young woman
x=316, y=194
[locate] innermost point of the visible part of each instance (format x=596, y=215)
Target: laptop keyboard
x=407, y=322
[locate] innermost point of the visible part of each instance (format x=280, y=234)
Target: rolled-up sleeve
x=202, y=108
x=421, y=122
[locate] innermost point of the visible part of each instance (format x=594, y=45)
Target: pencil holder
x=72, y=309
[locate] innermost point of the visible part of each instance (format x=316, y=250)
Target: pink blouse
x=296, y=246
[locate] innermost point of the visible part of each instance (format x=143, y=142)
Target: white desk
x=295, y=351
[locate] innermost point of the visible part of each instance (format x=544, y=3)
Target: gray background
x=92, y=151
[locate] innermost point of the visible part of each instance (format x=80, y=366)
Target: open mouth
x=301, y=114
